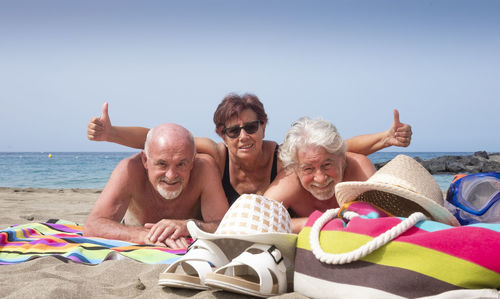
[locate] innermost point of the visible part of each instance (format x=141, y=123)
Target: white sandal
x=203, y=257
x=259, y=271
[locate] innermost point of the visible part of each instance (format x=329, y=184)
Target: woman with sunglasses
x=247, y=162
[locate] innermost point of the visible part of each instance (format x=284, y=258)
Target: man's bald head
x=169, y=135
x=168, y=157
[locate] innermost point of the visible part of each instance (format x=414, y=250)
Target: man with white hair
x=151, y=195
x=315, y=160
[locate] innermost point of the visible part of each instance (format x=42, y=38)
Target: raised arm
x=399, y=134
x=100, y=129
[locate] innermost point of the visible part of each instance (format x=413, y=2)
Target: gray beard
x=323, y=196
x=168, y=195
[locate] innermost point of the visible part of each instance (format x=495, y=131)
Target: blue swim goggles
x=476, y=194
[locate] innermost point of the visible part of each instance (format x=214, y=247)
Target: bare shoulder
x=279, y=163
x=221, y=149
x=204, y=165
x=127, y=178
x=219, y=155
x=204, y=160
x=132, y=164
x=359, y=158
x=271, y=145
x=129, y=171
x=133, y=160
x=206, y=145
x=358, y=167
x=286, y=188
x=268, y=149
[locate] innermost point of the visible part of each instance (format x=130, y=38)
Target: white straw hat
x=401, y=187
x=255, y=219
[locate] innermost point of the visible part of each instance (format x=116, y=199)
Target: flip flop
x=259, y=271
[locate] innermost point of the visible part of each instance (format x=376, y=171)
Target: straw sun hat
x=254, y=218
x=401, y=187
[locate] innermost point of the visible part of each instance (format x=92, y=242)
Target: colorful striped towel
x=430, y=258
x=64, y=240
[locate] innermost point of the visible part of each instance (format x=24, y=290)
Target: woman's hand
x=99, y=128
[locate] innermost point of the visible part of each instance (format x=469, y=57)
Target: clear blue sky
x=350, y=62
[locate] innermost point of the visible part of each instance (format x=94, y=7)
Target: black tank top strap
x=231, y=194
x=274, y=169
x=292, y=213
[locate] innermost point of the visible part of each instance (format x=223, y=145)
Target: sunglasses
x=250, y=128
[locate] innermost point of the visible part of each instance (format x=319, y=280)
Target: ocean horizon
x=91, y=170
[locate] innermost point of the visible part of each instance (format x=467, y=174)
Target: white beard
x=323, y=194
x=168, y=195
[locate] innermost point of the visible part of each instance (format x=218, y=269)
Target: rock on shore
x=475, y=163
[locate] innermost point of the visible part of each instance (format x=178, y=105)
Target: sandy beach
x=50, y=277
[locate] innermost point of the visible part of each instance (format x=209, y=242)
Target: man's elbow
x=87, y=232
x=89, y=229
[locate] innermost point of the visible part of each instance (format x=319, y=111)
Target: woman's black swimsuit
x=231, y=194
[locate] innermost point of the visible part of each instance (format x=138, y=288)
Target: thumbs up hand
x=99, y=128
x=399, y=134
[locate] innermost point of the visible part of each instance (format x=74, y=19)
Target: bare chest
x=151, y=209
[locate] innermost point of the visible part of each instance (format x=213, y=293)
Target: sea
x=58, y=170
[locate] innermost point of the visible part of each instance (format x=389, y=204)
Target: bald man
x=150, y=196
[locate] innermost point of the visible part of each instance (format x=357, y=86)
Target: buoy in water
x=50, y=155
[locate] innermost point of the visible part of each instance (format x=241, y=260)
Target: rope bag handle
x=371, y=246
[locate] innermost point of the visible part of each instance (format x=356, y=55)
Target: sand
x=50, y=277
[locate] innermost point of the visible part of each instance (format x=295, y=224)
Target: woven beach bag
x=391, y=257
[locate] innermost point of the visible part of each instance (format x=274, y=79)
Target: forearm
x=109, y=229
x=134, y=137
x=367, y=144
x=207, y=226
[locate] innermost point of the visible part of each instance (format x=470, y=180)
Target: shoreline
x=51, y=190
x=68, y=170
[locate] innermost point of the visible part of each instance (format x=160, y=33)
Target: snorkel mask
x=475, y=197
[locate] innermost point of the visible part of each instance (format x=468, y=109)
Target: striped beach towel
x=64, y=240
x=430, y=258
